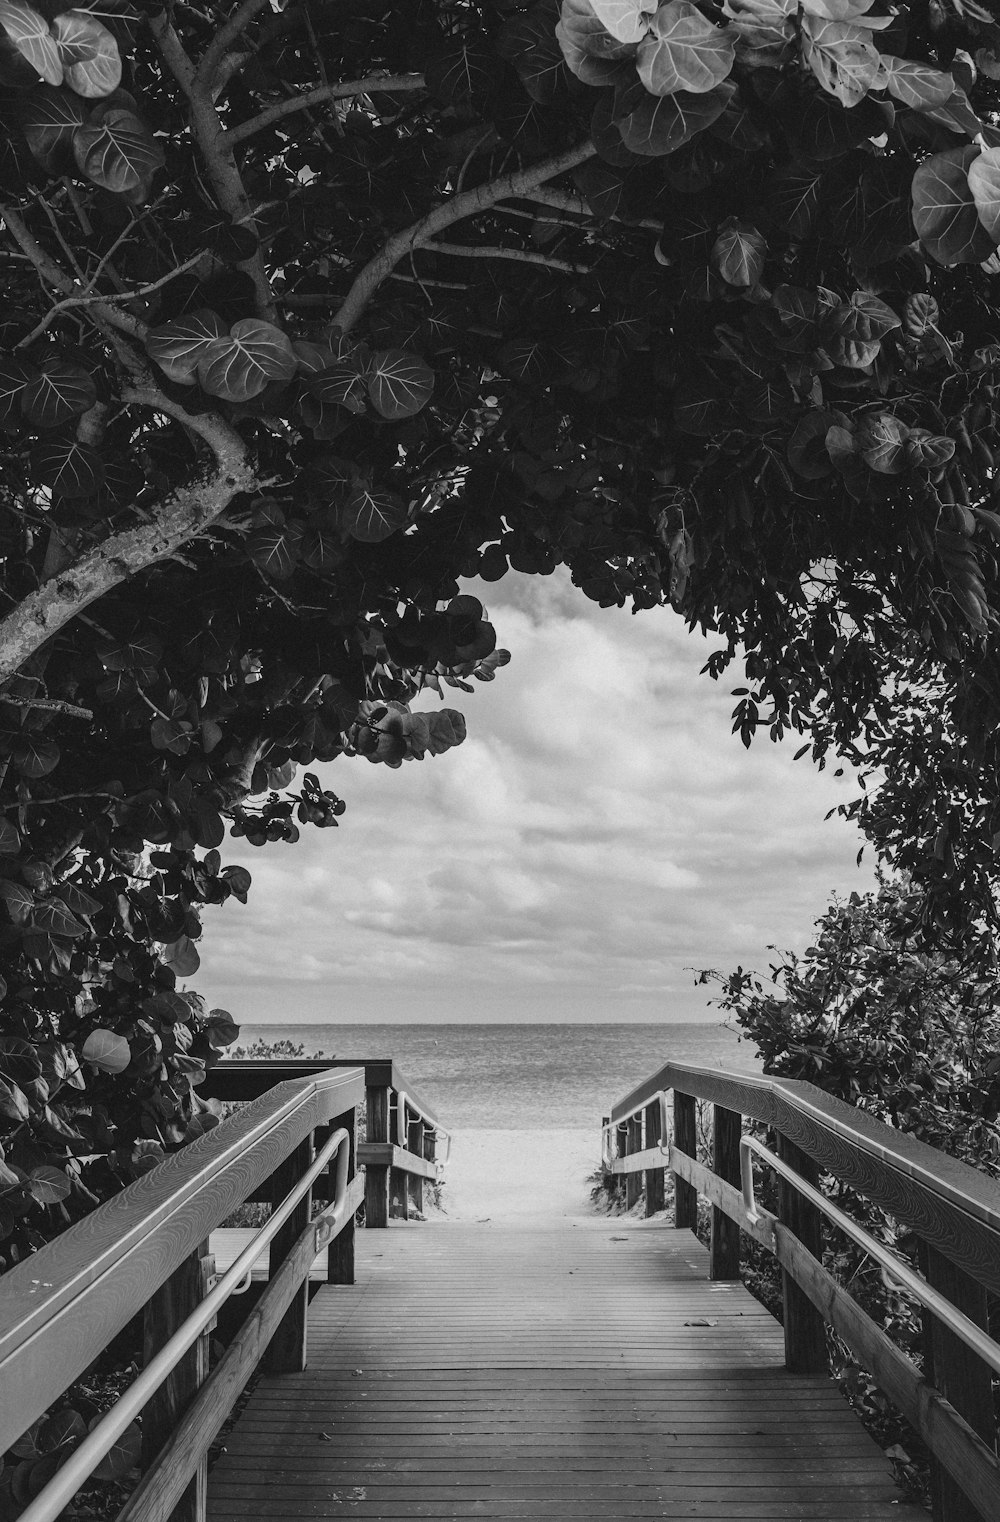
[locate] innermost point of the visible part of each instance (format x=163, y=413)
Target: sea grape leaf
x=178, y=346
x=118, y=152
x=956, y=114
x=92, y=64
x=49, y=1185
x=123, y=1456
x=927, y=449
x=275, y=549
x=105, y=1050
x=529, y=43
x=10, y=838
x=372, y=513
x=399, y=383
x=32, y=37
x=684, y=51
x=240, y=365
x=660, y=124
x=53, y=917
x=807, y=452
x=70, y=469
x=738, y=253
x=49, y=118
x=842, y=57
x=61, y=391
x=581, y=30
x=626, y=20
x=342, y=385
x=945, y=213
x=916, y=84
x=984, y=182
x=15, y=375
x=881, y=440
x=34, y=756
x=183, y=958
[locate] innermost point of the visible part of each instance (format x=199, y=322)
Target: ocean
x=520, y=1077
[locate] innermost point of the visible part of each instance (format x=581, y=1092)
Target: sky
x=599, y=835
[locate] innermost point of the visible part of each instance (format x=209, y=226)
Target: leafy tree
x=913, y=1037
x=315, y=312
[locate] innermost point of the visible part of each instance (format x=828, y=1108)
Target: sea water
x=521, y=1077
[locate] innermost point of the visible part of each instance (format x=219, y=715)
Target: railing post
x=175, y=1299
x=417, y=1145
x=399, y=1198
x=633, y=1181
x=654, y=1176
x=621, y=1150
x=685, y=1140
x=607, y=1179
x=961, y=1376
x=724, y=1248
x=376, y=1176
x=805, y=1336
x=286, y=1351
x=430, y=1148
x=340, y=1253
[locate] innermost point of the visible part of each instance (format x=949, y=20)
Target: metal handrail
x=906, y=1277
x=84, y=1460
x=402, y=1100
x=609, y=1153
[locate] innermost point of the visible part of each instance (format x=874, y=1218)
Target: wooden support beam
x=171, y=1304
x=399, y=1194
x=805, y=1335
x=415, y=1143
x=961, y=1376
x=340, y=1253
x=685, y=1140
x=377, y=1174
x=654, y=1176
x=607, y=1178
x=633, y=1181
x=286, y=1352
x=724, y=1247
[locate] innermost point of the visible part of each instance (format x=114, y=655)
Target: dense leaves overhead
x=318, y=311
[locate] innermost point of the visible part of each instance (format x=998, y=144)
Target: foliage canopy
x=316, y=311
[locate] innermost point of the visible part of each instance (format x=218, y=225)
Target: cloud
x=599, y=833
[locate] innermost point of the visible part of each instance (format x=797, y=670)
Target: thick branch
x=469, y=203
x=225, y=37
x=216, y=154
x=187, y=512
x=318, y=97
x=51, y=705
x=490, y=251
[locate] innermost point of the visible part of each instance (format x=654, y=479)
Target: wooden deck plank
x=581, y=1371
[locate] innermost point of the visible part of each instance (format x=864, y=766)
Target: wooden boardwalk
x=586, y=1371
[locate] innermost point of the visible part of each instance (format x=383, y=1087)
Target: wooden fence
x=145, y=1253
x=953, y=1210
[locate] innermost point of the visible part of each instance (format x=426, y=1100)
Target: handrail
x=404, y=1099
x=84, y=1460
x=915, y=1284
x=83, y=1287
x=950, y=1204
x=953, y=1209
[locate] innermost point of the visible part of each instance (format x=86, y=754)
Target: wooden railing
x=402, y=1133
x=145, y=1252
x=953, y=1210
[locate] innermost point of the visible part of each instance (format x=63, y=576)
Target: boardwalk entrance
x=589, y=1371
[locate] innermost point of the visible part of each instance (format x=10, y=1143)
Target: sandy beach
x=522, y=1177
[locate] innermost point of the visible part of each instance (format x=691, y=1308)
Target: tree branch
x=227, y=34
x=188, y=511
x=54, y=275
x=215, y=151
x=51, y=705
x=489, y=251
x=569, y=200
x=318, y=97
x=468, y=203
x=85, y=300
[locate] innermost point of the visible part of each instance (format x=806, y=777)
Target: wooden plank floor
x=588, y=1372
